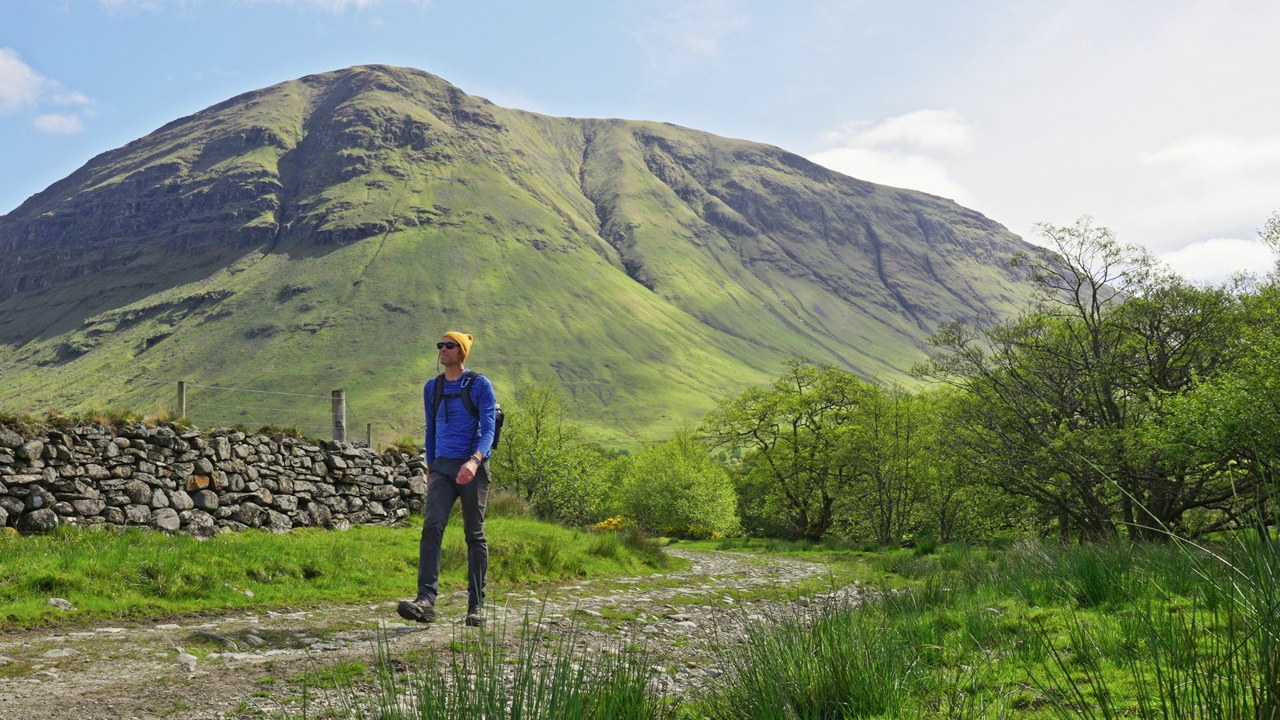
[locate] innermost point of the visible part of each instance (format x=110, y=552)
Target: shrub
x=505, y=503
x=614, y=524
x=678, y=484
x=408, y=445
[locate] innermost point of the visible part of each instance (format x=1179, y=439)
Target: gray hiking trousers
x=442, y=491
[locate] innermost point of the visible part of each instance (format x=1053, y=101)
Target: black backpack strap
x=437, y=397
x=467, y=380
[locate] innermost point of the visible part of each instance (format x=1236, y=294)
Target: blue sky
x=1156, y=117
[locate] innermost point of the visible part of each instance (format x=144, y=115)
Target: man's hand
x=468, y=471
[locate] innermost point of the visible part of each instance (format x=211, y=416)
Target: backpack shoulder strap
x=437, y=396
x=468, y=379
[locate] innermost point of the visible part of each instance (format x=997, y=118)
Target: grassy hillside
x=324, y=232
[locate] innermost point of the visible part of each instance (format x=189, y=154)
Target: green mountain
x=324, y=232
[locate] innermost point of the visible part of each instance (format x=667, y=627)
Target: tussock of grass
x=481, y=677
x=145, y=574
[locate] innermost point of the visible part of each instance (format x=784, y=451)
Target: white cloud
x=1214, y=156
x=921, y=131
x=1154, y=116
x=1217, y=259
x=909, y=151
x=22, y=89
x=20, y=86
x=74, y=97
x=58, y=124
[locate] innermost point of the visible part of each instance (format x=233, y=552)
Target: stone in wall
x=173, y=479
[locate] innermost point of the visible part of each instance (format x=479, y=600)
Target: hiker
x=460, y=411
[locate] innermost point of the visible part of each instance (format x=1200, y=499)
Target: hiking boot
x=475, y=617
x=423, y=611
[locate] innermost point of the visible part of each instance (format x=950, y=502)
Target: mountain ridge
x=720, y=253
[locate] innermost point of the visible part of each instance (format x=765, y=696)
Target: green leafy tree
x=958, y=501
x=885, y=438
x=798, y=451
x=677, y=486
x=1064, y=393
x=1229, y=425
x=544, y=459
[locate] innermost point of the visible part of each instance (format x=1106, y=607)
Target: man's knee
x=433, y=528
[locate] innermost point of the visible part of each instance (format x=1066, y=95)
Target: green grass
x=1026, y=631
x=484, y=677
x=1032, y=631
x=137, y=574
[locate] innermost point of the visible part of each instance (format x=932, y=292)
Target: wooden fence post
x=182, y=398
x=368, y=434
x=340, y=415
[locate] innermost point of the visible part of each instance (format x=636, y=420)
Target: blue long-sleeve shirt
x=453, y=432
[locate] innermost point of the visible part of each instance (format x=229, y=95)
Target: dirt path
x=247, y=665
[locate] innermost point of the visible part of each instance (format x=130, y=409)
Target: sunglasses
x=446, y=345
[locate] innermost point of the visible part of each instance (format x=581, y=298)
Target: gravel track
x=237, y=665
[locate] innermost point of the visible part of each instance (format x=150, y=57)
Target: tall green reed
x=1201, y=629
x=497, y=673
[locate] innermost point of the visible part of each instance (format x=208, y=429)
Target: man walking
x=459, y=406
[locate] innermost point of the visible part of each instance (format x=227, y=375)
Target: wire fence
x=204, y=405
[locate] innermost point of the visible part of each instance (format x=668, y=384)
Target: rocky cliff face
x=298, y=227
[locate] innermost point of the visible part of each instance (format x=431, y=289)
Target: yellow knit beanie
x=463, y=340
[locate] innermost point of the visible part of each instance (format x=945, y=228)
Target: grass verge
x=139, y=574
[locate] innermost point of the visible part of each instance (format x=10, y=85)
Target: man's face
x=450, y=351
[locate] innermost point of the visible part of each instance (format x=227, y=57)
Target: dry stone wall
x=195, y=482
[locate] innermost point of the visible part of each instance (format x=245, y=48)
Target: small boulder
x=166, y=519
x=179, y=500
x=39, y=498
x=321, y=516
x=38, y=521
x=89, y=506
x=221, y=448
x=30, y=450
x=205, y=500
x=139, y=492
x=96, y=472
x=277, y=522
x=198, y=523
x=137, y=514
x=250, y=514
x=60, y=603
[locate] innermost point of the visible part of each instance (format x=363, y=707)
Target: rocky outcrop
x=196, y=482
